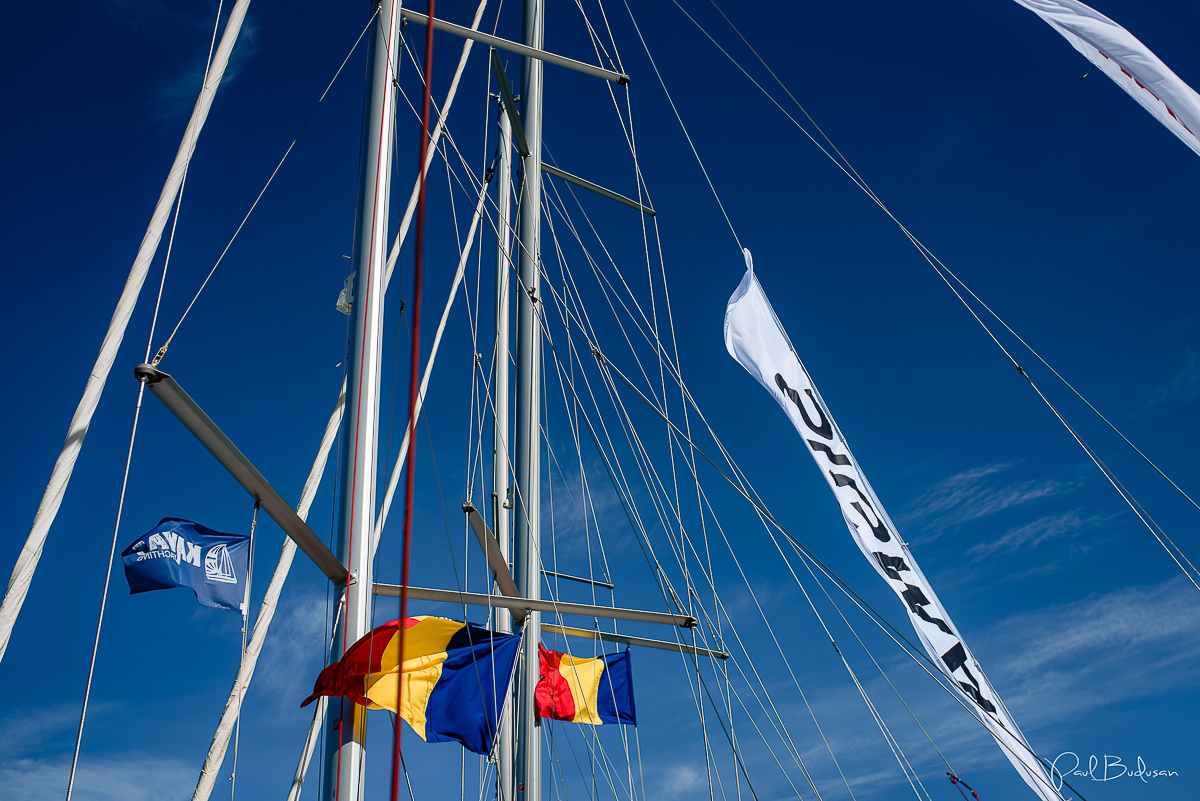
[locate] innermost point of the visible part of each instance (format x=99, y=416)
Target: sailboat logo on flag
x=218, y=565
x=180, y=553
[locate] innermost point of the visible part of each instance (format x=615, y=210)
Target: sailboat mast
x=500, y=449
x=346, y=727
x=527, y=512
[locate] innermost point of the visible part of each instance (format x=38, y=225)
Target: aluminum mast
x=527, y=437
x=346, y=722
x=500, y=436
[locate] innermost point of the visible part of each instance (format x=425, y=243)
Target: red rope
x=413, y=378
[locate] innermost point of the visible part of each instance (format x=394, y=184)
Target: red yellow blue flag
x=593, y=691
x=454, y=678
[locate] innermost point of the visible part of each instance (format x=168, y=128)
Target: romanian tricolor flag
x=455, y=678
x=591, y=691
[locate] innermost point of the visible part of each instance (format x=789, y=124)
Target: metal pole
x=552, y=606
x=500, y=451
x=513, y=47
x=206, y=432
x=527, y=569
x=346, y=723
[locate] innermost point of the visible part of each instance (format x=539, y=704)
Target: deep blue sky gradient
x=1067, y=208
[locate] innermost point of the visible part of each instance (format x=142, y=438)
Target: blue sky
x=1068, y=209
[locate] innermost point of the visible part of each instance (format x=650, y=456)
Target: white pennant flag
x=1122, y=57
x=757, y=341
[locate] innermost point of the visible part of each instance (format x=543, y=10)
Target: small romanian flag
x=591, y=691
x=455, y=677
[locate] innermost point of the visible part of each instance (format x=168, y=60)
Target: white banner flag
x=1122, y=57
x=757, y=341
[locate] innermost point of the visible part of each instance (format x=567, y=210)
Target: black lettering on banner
x=824, y=429
x=835, y=458
x=891, y=564
x=956, y=658
x=877, y=527
x=916, y=600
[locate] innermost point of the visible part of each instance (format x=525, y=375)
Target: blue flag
x=180, y=553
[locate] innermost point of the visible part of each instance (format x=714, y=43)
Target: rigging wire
x=743, y=491
x=660, y=354
x=414, y=374
x=597, y=747
x=596, y=644
x=664, y=585
x=888, y=737
x=163, y=350
x=660, y=383
x=87, y=692
x=520, y=499
x=133, y=434
x=330, y=593
x=64, y=465
x=460, y=580
x=655, y=334
x=644, y=375
x=683, y=127
x=478, y=188
x=435, y=137
x=162, y=282
x=866, y=188
x=386, y=38
x=391, y=415
x=333, y=431
x=874, y=661
x=743, y=487
x=1125, y=494
x=631, y=509
x=477, y=413
x=237, y=730
x=681, y=557
x=483, y=197
x=954, y=282
x=642, y=187
x=593, y=510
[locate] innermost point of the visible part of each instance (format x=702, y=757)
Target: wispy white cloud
x=129, y=777
x=1182, y=389
x=975, y=494
x=1077, y=655
x=27, y=731
x=292, y=655
x=175, y=95
x=579, y=509
x=849, y=734
x=1053, y=665
x=1035, y=533
x=1058, y=665
x=174, y=92
x=679, y=779
x=740, y=601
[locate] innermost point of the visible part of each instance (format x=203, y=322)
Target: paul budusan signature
x=1103, y=768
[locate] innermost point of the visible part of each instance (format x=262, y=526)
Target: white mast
x=346, y=728
x=64, y=466
x=527, y=513
x=500, y=449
